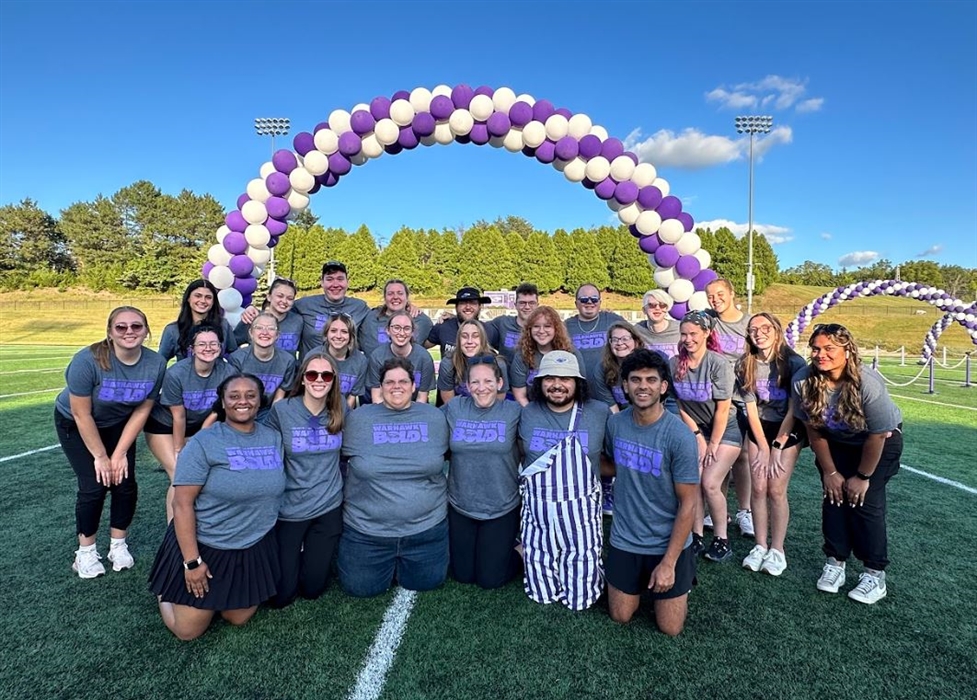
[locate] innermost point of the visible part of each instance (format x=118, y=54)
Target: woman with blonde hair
x=543, y=331
x=661, y=328
x=471, y=343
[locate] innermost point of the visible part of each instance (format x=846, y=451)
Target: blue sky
x=873, y=153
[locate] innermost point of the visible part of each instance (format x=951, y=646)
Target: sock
x=835, y=562
x=874, y=572
x=86, y=547
x=115, y=542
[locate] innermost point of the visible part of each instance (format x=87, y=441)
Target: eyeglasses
x=621, y=340
x=262, y=329
x=761, y=330
x=655, y=305
x=482, y=360
x=313, y=376
x=527, y=304
x=400, y=329
x=211, y=344
x=588, y=300
x=126, y=327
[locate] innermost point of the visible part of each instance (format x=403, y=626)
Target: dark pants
x=861, y=530
x=91, y=494
x=482, y=551
x=305, y=554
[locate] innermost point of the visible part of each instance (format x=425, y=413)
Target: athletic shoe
x=707, y=522
x=719, y=550
x=832, y=578
x=698, y=546
x=774, y=563
x=870, y=588
x=744, y=519
x=120, y=557
x=755, y=558
x=87, y=564
x=607, y=494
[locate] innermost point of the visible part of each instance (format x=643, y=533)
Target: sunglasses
x=126, y=327
x=313, y=376
x=482, y=360
x=656, y=305
x=588, y=300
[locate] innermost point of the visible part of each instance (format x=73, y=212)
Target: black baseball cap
x=469, y=294
x=334, y=266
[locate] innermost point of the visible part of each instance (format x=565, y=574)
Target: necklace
x=592, y=328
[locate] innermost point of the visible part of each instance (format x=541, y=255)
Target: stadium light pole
x=272, y=126
x=751, y=125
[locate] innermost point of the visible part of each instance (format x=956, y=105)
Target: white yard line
x=910, y=398
x=940, y=479
x=24, y=371
x=373, y=675
x=28, y=454
x=28, y=393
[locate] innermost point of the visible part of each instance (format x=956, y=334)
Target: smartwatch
x=777, y=445
x=192, y=564
x=863, y=477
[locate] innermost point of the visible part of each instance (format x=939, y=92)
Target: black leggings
x=305, y=553
x=91, y=494
x=482, y=551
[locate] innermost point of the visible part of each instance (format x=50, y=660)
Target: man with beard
x=315, y=310
x=561, y=433
x=468, y=304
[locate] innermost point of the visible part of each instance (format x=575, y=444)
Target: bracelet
x=831, y=474
x=697, y=432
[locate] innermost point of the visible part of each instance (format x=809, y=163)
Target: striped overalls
x=561, y=528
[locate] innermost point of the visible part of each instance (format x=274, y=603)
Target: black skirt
x=242, y=578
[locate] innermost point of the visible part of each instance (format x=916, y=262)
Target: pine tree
x=628, y=266
x=540, y=263
x=359, y=253
x=402, y=259
x=485, y=262
x=587, y=264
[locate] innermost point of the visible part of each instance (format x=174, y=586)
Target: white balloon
x=316, y=163
x=503, y=98
x=402, y=112
x=629, y=214
x=371, y=147
x=559, y=165
x=681, y=290
x=267, y=169
x=622, y=168
x=599, y=131
x=254, y=212
x=496, y=141
x=702, y=255
x=698, y=302
x=222, y=231
x=662, y=185
x=387, y=132
x=257, y=235
x=575, y=170
x=326, y=141
x=461, y=122
x=557, y=126
x=428, y=140
x=579, y=126
x=441, y=90
x=688, y=243
x=664, y=276
x=229, y=298
x=258, y=271
x=221, y=276
x=512, y=141
x=533, y=134
x=298, y=200
x=598, y=168
x=359, y=158
x=648, y=222
x=257, y=190
x=671, y=231
x=527, y=98
x=339, y=121
x=644, y=174
x=360, y=107
x=420, y=99
x=260, y=255
x=233, y=316
x=443, y=134
x=481, y=107
x=218, y=255
x=614, y=205
x=302, y=180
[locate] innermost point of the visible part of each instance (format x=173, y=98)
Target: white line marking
x=28, y=393
x=22, y=371
x=910, y=398
x=940, y=479
x=369, y=684
x=28, y=454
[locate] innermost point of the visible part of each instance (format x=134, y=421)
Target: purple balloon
x=205, y=271
x=564, y=112
x=276, y=227
x=649, y=197
x=315, y=188
x=633, y=157
x=666, y=255
x=589, y=146
x=330, y=179
x=284, y=161
x=687, y=221
x=278, y=183
x=362, y=122
x=530, y=152
x=649, y=244
x=670, y=207
x=611, y=148
x=688, y=266
x=479, y=134
x=463, y=138
x=339, y=164
x=350, y=144
x=626, y=192
x=588, y=183
x=380, y=107
x=498, y=124
x=423, y=124
x=700, y=281
x=542, y=110
x=484, y=90
x=272, y=242
x=241, y=265
x=242, y=200
x=441, y=107
x=320, y=126
x=407, y=138
x=567, y=148
x=235, y=221
x=235, y=243
x=245, y=285
x=520, y=113
x=400, y=95
x=605, y=188
x=633, y=230
x=546, y=152
x=461, y=96
x=679, y=309
x=277, y=207
x=393, y=149
x=303, y=143
x=246, y=300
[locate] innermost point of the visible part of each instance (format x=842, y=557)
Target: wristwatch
x=777, y=445
x=192, y=564
x=863, y=477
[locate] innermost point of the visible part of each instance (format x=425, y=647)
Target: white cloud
x=779, y=136
x=858, y=257
x=731, y=100
x=771, y=92
x=692, y=149
x=935, y=249
x=812, y=105
x=775, y=235
x=825, y=236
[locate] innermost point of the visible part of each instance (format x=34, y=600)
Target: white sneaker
x=744, y=519
x=832, y=578
x=707, y=522
x=87, y=564
x=870, y=588
x=755, y=558
x=120, y=557
x=774, y=563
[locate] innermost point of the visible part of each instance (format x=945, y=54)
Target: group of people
x=315, y=443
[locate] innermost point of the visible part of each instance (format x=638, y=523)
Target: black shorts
x=630, y=573
x=154, y=427
x=798, y=435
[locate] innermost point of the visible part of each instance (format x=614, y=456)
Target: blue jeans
x=369, y=565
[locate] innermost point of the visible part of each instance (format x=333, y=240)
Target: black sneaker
x=698, y=547
x=719, y=550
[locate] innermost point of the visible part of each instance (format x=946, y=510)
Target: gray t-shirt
x=316, y=310
x=183, y=385
x=590, y=337
x=521, y=376
x=483, y=476
x=419, y=358
x=447, y=381
x=243, y=479
x=395, y=482
x=289, y=333
x=313, y=483
x=276, y=373
x=701, y=387
x=881, y=414
x=116, y=392
x=732, y=337
x=507, y=331
x=540, y=428
x=599, y=390
x=373, y=331
x=352, y=371
x=650, y=460
x=665, y=342
x=771, y=399
x=445, y=335
x=170, y=338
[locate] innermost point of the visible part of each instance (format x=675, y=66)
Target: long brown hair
x=334, y=397
x=814, y=391
x=458, y=360
x=102, y=350
x=611, y=363
x=780, y=356
x=561, y=339
x=350, y=326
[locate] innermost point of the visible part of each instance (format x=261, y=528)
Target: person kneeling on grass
x=657, y=477
x=219, y=552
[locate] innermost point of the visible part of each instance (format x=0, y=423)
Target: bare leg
x=184, y=622
x=240, y=616
x=759, y=501
x=741, y=480
x=162, y=448
x=670, y=614
x=777, y=494
x=712, y=480
x=622, y=606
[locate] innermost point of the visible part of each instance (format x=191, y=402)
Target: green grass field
x=748, y=635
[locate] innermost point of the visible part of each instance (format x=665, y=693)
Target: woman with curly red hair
x=543, y=331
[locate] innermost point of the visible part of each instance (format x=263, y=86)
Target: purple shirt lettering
x=241, y=458
x=640, y=458
x=687, y=391
x=396, y=433
x=589, y=341
x=199, y=400
x=479, y=431
x=124, y=390
x=544, y=439
x=315, y=440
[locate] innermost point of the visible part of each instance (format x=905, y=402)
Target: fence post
x=944, y=355
x=875, y=362
x=902, y=354
x=966, y=372
x=932, y=380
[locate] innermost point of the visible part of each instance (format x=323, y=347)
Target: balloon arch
x=571, y=143
x=954, y=309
